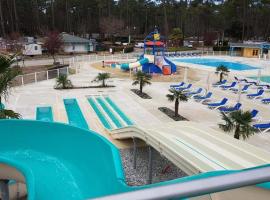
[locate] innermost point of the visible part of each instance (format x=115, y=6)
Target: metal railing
x=198, y=187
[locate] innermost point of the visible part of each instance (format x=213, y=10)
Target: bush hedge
x=223, y=48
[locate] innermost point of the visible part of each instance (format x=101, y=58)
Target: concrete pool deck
x=145, y=113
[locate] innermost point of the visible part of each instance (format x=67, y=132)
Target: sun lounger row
x=233, y=87
x=183, y=54
x=198, y=96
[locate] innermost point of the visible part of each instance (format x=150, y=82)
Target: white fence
x=43, y=75
x=92, y=58
x=74, y=63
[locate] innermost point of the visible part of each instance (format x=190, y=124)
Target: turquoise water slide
x=146, y=59
x=60, y=161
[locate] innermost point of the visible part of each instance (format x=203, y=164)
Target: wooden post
x=35, y=77
x=134, y=153
x=150, y=165
x=4, y=189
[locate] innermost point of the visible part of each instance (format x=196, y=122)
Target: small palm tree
x=239, y=122
x=9, y=114
x=62, y=82
x=142, y=79
x=222, y=71
x=177, y=96
x=7, y=76
x=102, y=77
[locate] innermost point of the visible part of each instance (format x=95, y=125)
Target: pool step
x=120, y=113
x=109, y=112
x=101, y=114
x=44, y=114
x=74, y=114
x=124, y=124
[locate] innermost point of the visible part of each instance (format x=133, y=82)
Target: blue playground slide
x=60, y=161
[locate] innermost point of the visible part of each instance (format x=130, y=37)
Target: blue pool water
x=119, y=111
x=262, y=78
x=74, y=113
x=210, y=62
x=44, y=114
x=100, y=115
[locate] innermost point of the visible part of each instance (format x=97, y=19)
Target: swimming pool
x=74, y=113
x=44, y=114
x=211, y=62
x=262, y=78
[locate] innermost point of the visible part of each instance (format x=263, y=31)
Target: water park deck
x=178, y=140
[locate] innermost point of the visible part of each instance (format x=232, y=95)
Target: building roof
x=67, y=38
x=259, y=45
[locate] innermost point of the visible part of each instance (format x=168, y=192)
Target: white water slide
x=195, y=148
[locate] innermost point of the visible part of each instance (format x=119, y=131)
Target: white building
x=32, y=49
x=75, y=44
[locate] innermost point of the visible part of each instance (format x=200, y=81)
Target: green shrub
x=173, y=49
x=128, y=49
x=222, y=48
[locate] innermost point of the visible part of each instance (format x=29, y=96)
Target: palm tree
x=239, y=122
x=222, y=71
x=102, y=77
x=7, y=76
x=177, y=96
x=142, y=79
x=62, y=82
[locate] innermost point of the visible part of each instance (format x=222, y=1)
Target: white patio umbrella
x=259, y=76
x=240, y=86
x=208, y=81
x=185, y=74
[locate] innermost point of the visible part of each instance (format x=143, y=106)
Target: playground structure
x=58, y=161
x=153, y=60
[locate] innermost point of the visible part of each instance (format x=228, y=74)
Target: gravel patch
x=170, y=113
x=162, y=170
x=142, y=95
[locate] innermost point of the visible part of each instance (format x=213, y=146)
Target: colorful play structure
x=153, y=60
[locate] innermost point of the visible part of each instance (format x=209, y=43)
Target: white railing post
x=58, y=72
x=22, y=80
x=67, y=71
x=35, y=77
x=47, y=75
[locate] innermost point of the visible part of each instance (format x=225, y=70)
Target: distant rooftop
x=67, y=38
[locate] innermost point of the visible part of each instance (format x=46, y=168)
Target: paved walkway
x=25, y=99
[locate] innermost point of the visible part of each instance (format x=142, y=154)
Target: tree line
x=237, y=19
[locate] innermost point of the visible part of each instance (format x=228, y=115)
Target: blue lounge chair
x=244, y=89
x=184, y=88
x=219, y=83
x=226, y=87
x=230, y=109
x=217, y=105
x=204, y=98
x=178, y=85
x=266, y=101
x=262, y=127
x=256, y=95
x=191, y=94
x=254, y=115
